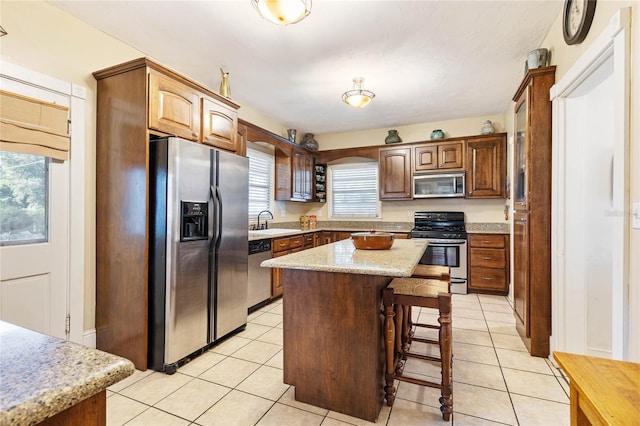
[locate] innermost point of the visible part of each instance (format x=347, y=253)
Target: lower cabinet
x=489, y=263
x=280, y=247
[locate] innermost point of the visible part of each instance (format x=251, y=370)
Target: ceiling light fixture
x=283, y=12
x=358, y=97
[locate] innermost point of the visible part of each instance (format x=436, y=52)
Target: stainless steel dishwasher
x=259, y=277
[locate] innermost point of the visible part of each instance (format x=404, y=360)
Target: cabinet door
x=302, y=176
x=486, y=168
x=425, y=158
x=521, y=269
x=395, y=174
x=276, y=277
x=174, y=108
x=450, y=156
x=341, y=235
x=520, y=170
x=219, y=125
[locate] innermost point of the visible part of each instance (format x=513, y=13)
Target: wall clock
x=576, y=19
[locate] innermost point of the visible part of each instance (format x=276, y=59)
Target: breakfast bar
x=333, y=334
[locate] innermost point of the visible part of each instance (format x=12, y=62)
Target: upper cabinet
x=180, y=109
x=449, y=155
x=486, y=167
x=394, y=169
x=174, y=108
x=220, y=126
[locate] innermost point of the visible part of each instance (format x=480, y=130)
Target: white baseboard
x=89, y=338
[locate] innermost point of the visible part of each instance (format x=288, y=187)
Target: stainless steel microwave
x=438, y=185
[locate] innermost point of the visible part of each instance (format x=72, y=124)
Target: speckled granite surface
x=399, y=261
x=285, y=229
x=487, y=228
x=41, y=376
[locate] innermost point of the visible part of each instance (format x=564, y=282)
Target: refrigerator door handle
x=215, y=237
x=219, y=212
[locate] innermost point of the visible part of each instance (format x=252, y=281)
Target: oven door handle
x=458, y=281
x=445, y=242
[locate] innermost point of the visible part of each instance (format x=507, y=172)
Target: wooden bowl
x=372, y=240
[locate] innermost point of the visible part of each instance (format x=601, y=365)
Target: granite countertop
x=487, y=228
x=43, y=375
x=399, y=261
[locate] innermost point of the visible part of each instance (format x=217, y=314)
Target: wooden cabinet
x=302, y=175
x=324, y=237
x=394, y=168
x=174, y=107
x=179, y=109
x=294, y=175
x=532, y=204
x=489, y=263
x=135, y=101
x=220, y=126
x=486, y=167
x=438, y=156
x=280, y=247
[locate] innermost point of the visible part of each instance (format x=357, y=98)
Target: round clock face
x=577, y=18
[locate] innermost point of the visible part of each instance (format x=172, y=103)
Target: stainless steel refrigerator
x=198, y=249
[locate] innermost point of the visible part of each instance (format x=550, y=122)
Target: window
x=24, y=186
x=261, y=165
x=354, y=191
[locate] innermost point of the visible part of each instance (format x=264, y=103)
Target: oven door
x=451, y=253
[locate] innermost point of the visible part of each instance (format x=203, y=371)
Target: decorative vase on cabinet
x=392, y=137
x=437, y=134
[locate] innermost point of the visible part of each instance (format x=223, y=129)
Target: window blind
x=354, y=191
x=32, y=126
x=261, y=167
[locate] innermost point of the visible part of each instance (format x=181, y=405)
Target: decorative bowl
x=372, y=240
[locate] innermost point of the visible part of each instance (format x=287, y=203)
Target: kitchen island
x=53, y=381
x=333, y=335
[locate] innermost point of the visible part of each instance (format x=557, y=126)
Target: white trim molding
x=612, y=46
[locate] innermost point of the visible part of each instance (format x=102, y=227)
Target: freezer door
x=187, y=267
x=230, y=177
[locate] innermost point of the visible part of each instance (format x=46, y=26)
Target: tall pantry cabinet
x=136, y=101
x=532, y=210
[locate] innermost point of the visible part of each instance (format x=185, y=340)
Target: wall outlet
x=635, y=216
x=410, y=213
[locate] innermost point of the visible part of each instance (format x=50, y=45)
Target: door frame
x=76, y=187
x=613, y=42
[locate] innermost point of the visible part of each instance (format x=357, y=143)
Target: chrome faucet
x=266, y=224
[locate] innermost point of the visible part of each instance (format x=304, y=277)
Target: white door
x=34, y=270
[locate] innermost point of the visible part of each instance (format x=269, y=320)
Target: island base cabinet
x=88, y=412
x=333, y=343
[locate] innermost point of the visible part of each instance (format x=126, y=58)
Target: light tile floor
x=239, y=381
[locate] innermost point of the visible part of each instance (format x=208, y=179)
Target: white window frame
x=256, y=152
x=330, y=191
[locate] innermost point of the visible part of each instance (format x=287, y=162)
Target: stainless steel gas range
x=447, y=237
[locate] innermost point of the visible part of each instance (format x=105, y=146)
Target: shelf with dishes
x=320, y=182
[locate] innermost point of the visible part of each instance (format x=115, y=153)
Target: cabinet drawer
x=488, y=279
x=281, y=244
x=486, y=240
x=295, y=242
x=308, y=240
x=488, y=258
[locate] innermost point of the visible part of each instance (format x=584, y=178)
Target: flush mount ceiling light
x=358, y=97
x=283, y=12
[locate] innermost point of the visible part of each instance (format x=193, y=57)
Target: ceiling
x=426, y=61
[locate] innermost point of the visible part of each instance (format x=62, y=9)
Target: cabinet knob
x=487, y=258
x=487, y=278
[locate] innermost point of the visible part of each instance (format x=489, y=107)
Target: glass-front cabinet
x=520, y=156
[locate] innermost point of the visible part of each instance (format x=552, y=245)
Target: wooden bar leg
x=389, y=345
x=446, y=401
x=406, y=329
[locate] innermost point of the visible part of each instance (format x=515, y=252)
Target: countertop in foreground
x=41, y=375
x=399, y=261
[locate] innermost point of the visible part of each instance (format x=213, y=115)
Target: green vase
x=393, y=137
